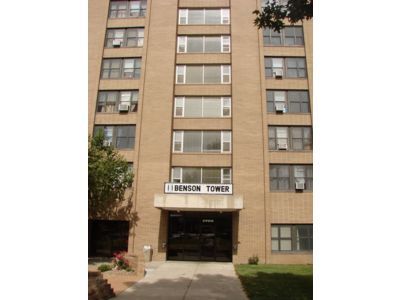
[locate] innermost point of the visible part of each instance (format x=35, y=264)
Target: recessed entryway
x=200, y=236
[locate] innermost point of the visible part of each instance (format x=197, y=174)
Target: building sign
x=198, y=188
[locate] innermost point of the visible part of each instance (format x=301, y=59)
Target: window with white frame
x=202, y=107
x=293, y=137
x=293, y=101
x=109, y=101
x=202, y=141
x=203, y=74
x=285, y=237
x=204, y=44
x=124, y=37
x=204, y=16
x=201, y=175
x=288, y=67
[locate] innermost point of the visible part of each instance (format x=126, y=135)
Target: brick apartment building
x=215, y=117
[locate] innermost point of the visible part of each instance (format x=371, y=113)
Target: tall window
x=203, y=74
x=120, y=136
x=202, y=107
x=288, y=36
x=202, y=141
x=204, y=44
x=289, y=67
x=113, y=68
x=288, y=101
x=127, y=9
x=290, y=177
x=201, y=175
x=292, y=237
x=207, y=16
x=292, y=138
x=124, y=37
x=115, y=101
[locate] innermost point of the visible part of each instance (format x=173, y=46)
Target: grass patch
x=276, y=282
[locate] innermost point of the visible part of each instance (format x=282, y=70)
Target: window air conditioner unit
x=280, y=107
x=300, y=185
x=123, y=107
x=117, y=43
x=107, y=143
x=282, y=146
x=278, y=74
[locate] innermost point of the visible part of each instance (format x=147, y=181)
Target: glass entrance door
x=207, y=242
x=200, y=236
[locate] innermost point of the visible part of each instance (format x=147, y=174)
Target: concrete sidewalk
x=187, y=280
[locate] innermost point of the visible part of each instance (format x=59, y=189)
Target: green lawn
x=276, y=282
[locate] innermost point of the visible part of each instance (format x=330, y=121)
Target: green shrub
x=104, y=268
x=253, y=260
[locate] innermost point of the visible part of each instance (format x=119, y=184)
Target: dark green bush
x=104, y=268
x=253, y=260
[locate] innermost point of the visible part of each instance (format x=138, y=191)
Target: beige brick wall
x=98, y=13
x=154, y=120
x=248, y=156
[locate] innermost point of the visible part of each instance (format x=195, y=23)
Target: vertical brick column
x=247, y=131
x=156, y=125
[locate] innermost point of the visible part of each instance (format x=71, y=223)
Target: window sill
x=292, y=191
x=204, y=24
x=199, y=84
x=116, y=113
x=127, y=18
x=123, y=47
x=201, y=153
x=188, y=53
x=201, y=118
x=121, y=78
x=291, y=252
x=288, y=113
x=291, y=151
x=289, y=78
x=278, y=46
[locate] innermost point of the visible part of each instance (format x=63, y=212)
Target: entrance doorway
x=200, y=236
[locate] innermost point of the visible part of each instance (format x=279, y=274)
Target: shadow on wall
x=110, y=226
x=163, y=232
x=122, y=211
x=201, y=286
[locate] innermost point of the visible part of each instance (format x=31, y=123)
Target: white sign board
x=198, y=188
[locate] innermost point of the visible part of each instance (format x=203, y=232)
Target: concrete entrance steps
x=174, y=280
x=149, y=267
x=99, y=288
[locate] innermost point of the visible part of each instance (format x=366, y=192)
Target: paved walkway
x=187, y=280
